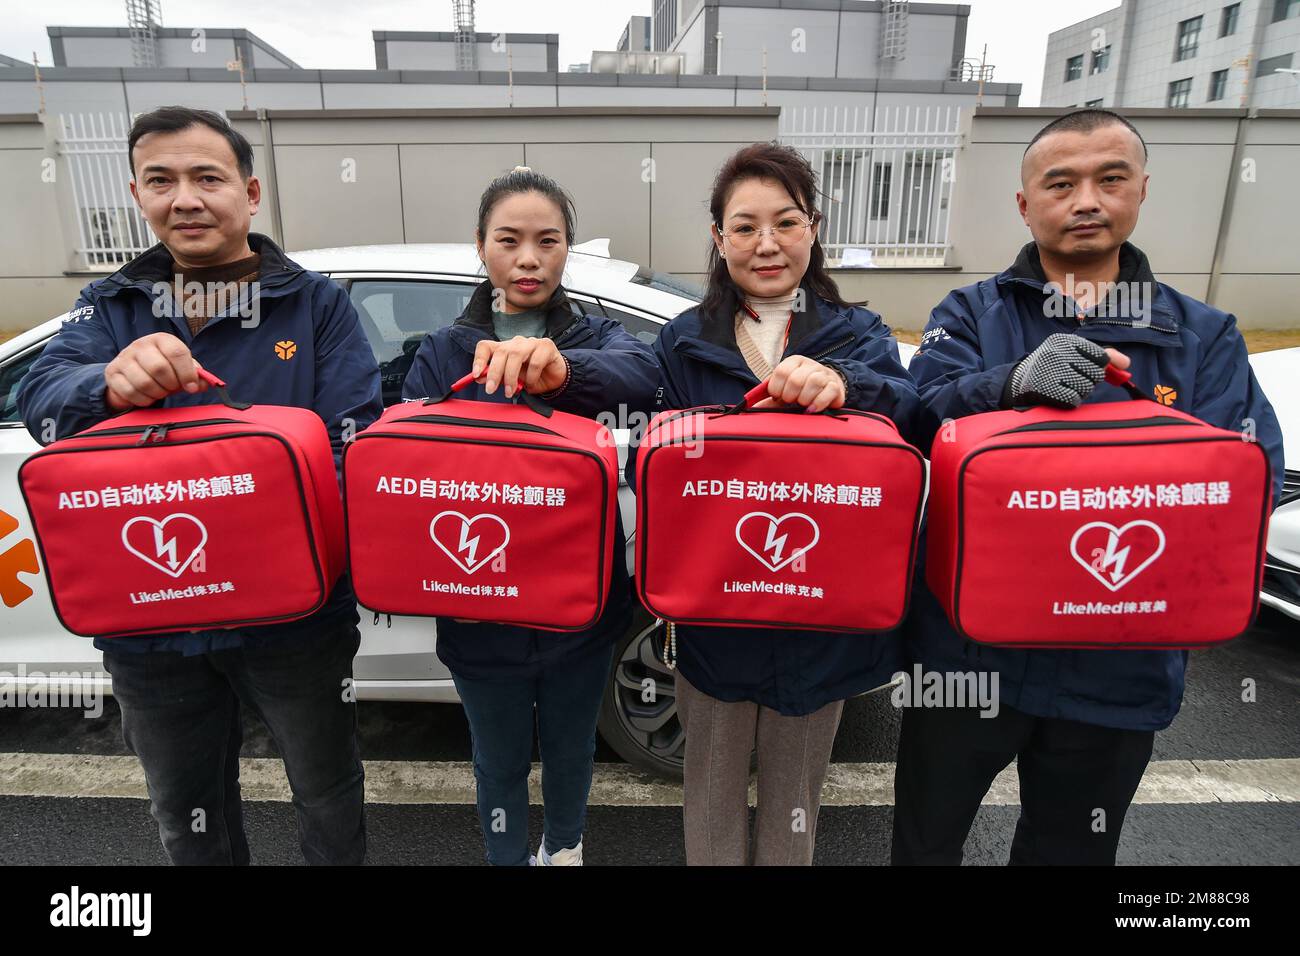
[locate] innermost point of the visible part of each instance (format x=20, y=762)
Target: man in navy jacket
x=1080, y=723
x=213, y=294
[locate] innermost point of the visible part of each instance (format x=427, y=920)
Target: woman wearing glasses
x=772, y=313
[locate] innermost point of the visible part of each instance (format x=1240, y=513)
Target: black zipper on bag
x=839, y=413
x=475, y=423
x=1088, y=426
x=156, y=432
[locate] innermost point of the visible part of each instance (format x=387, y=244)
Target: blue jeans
x=565, y=696
x=180, y=716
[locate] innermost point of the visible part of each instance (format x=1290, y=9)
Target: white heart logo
x=471, y=545
x=1113, y=556
x=164, y=544
x=778, y=544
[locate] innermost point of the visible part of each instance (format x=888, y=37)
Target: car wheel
x=638, y=714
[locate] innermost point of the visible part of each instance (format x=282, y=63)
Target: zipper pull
x=160, y=433
x=144, y=436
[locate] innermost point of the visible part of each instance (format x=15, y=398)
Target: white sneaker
x=570, y=857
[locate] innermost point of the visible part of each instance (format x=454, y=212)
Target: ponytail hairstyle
x=787, y=166
x=523, y=179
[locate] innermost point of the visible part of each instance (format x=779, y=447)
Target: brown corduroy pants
x=793, y=754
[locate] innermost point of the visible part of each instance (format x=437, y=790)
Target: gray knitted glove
x=1062, y=371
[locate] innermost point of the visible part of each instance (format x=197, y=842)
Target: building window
x=1189, y=35
x=880, y=191
x=1074, y=68
x=1266, y=67
x=664, y=21
x=1228, y=24
x=1218, y=85
x=1285, y=9
x=1180, y=92
x=1091, y=103
x=1100, y=61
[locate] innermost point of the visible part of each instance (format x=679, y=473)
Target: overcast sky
x=336, y=33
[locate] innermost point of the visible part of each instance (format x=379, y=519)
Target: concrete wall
x=823, y=38
x=415, y=176
x=182, y=47
x=412, y=50
x=36, y=243
x=639, y=177
x=104, y=89
x=1191, y=162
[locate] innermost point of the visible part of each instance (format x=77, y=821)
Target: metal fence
x=110, y=228
x=886, y=175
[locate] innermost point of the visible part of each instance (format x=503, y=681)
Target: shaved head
x=1082, y=181
x=1083, y=122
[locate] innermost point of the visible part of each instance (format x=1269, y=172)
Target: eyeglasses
x=786, y=232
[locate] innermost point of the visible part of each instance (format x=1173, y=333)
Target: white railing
x=886, y=177
x=110, y=227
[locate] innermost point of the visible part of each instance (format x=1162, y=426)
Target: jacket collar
x=276, y=271
x=475, y=323
x=712, y=340
x=1139, y=310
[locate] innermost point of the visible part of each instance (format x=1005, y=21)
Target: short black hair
x=1085, y=121
x=173, y=119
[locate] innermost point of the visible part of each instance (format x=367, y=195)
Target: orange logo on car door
x=286, y=350
x=17, y=559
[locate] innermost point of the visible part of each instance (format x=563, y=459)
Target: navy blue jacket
x=333, y=372
x=609, y=367
x=793, y=672
x=973, y=340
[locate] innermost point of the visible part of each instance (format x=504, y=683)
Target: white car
x=1278, y=373
x=401, y=293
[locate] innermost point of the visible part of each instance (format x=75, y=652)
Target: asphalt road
x=1214, y=725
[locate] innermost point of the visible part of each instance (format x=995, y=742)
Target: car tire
x=645, y=733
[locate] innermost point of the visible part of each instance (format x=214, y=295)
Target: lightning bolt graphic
x=1114, y=557
x=466, y=542
x=774, y=542
x=167, y=547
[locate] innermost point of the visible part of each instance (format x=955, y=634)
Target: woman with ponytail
x=521, y=327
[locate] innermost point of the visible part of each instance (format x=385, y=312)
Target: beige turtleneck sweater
x=762, y=341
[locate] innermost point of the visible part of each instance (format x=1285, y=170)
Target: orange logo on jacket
x=286, y=350
x=1166, y=395
x=20, y=558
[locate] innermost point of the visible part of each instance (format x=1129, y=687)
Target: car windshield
x=666, y=283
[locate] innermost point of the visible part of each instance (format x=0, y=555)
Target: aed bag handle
x=532, y=401
x=758, y=393
x=1119, y=377
x=219, y=386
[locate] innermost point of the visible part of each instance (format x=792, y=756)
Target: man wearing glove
x=1080, y=723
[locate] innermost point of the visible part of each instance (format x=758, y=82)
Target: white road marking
x=619, y=785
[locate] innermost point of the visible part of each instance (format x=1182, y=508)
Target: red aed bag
x=174, y=519
x=486, y=511
x=774, y=517
x=1117, y=524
